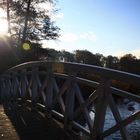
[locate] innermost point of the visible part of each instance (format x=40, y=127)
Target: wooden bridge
x=68, y=92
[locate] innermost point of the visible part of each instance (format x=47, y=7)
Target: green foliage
x=67, y=56
x=86, y=57
x=130, y=63
x=112, y=62
x=53, y=55
x=29, y=20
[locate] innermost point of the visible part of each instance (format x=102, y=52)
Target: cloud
x=68, y=37
x=46, y=6
x=88, y=36
x=57, y=16
x=135, y=52
x=50, y=10
x=119, y=54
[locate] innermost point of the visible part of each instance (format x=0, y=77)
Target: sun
x=3, y=26
x=3, y=22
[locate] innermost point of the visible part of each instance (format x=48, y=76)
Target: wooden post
x=2, y=89
x=100, y=109
x=34, y=87
x=24, y=83
x=15, y=86
x=34, y=84
x=49, y=92
x=69, y=105
x=49, y=89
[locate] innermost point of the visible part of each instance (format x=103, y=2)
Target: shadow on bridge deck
x=23, y=124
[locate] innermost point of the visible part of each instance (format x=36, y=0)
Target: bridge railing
x=68, y=92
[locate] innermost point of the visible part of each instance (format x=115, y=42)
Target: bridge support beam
x=101, y=107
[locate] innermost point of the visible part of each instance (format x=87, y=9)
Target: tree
x=112, y=62
x=30, y=21
x=100, y=59
x=5, y=4
x=130, y=63
x=84, y=56
x=53, y=55
x=8, y=57
x=67, y=56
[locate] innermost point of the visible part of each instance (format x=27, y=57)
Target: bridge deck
x=24, y=124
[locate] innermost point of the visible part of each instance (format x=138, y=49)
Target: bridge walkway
x=17, y=123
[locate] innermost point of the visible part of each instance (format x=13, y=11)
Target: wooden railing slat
x=125, y=94
x=125, y=122
x=83, y=108
x=59, y=98
x=117, y=116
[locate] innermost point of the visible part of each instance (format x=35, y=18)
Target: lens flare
x=3, y=26
x=3, y=22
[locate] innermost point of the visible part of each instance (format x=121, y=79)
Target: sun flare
x=3, y=26
x=3, y=22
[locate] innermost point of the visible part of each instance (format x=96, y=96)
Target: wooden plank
x=87, y=82
x=23, y=124
x=63, y=89
x=49, y=92
x=83, y=108
x=58, y=98
x=69, y=106
x=4, y=90
x=81, y=128
x=57, y=115
x=8, y=86
x=23, y=82
x=90, y=69
x=34, y=84
x=117, y=116
x=79, y=80
x=125, y=94
x=16, y=87
x=100, y=109
x=87, y=102
x=29, y=89
x=41, y=90
x=121, y=123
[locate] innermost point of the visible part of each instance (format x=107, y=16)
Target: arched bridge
x=76, y=95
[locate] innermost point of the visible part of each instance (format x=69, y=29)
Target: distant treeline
x=11, y=55
x=128, y=62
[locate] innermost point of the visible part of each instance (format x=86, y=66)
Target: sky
x=109, y=27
